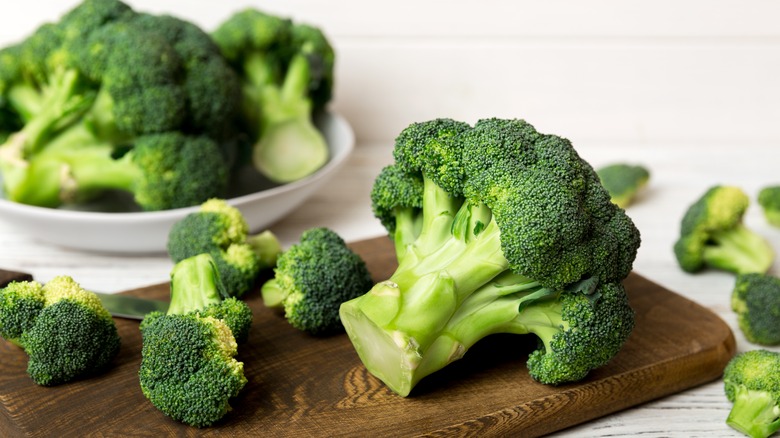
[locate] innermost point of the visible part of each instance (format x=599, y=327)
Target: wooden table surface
x=679, y=175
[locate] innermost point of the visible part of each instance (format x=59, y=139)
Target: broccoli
x=712, y=234
x=499, y=229
x=752, y=382
x=623, y=181
x=312, y=278
x=64, y=329
x=756, y=301
x=109, y=99
x=220, y=229
x=188, y=367
x=286, y=70
x=769, y=200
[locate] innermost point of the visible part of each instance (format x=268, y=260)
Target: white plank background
x=689, y=88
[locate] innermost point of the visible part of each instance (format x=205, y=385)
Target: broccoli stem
x=755, y=413
x=739, y=250
x=273, y=294
x=195, y=284
x=408, y=223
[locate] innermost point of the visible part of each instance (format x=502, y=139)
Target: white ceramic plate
x=147, y=232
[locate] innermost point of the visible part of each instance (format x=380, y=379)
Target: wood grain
x=305, y=386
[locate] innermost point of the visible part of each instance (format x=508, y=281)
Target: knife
x=120, y=306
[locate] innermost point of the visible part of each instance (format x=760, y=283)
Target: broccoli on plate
x=312, y=278
x=188, y=367
x=64, y=329
x=752, y=382
x=498, y=229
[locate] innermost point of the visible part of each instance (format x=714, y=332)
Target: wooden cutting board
x=305, y=386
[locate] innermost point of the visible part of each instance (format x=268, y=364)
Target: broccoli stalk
x=487, y=248
x=751, y=384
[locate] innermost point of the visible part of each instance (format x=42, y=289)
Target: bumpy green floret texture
x=65, y=331
x=79, y=93
x=769, y=200
x=188, y=367
x=313, y=277
x=286, y=70
x=752, y=382
x=756, y=301
x=220, y=230
x=623, y=181
x=498, y=229
x=713, y=235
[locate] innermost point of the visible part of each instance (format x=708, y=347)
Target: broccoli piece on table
x=752, y=382
x=286, y=70
x=188, y=367
x=712, y=234
x=64, y=329
x=499, y=229
x=312, y=278
x=623, y=181
x=104, y=80
x=756, y=301
x=220, y=229
x=769, y=200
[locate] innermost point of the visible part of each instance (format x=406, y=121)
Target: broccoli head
x=756, y=301
x=103, y=80
x=188, y=367
x=623, y=181
x=769, y=200
x=286, y=70
x=498, y=229
x=312, y=278
x=752, y=383
x=220, y=229
x=64, y=329
x=712, y=234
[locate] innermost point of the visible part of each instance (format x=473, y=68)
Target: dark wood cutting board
x=305, y=386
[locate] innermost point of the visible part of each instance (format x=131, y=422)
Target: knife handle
x=9, y=276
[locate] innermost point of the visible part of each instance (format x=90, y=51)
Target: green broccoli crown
x=188, y=367
x=769, y=200
x=313, y=277
x=316, y=48
x=498, y=229
x=751, y=381
x=252, y=31
x=65, y=331
x=712, y=234
x=756, y=301
x=220, y=230
x=623, y=181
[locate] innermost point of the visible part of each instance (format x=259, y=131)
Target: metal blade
x=125, y=306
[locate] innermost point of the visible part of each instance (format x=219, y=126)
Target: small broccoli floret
x=769, y=200
x=220, y=229
x=752, y=382
x=756, y=301
x=188, y=366
x=312, y=278
x=713, y=235
x=287, y=73
x=623, y=181
x=64, y=329
x=498, y=229
x=103, y=80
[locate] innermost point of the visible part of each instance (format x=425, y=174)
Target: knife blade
x=118, y=305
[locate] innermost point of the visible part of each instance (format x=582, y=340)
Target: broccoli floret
x=287, y=73
x=510, y=232
x=103, y=80
x=756, y=301
x=752, y=382
x=188, y=366
x=64, y=329
x=220, y=229
x=769, y=200
x=712, y=234
x=312, y=278
x=623, y=181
